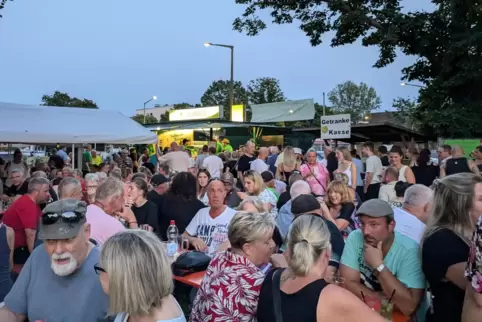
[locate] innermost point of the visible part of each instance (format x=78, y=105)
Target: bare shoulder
x=337, y=304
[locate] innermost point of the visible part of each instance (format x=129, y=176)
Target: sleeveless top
x=456, y=165
x=123, y=317
x=401, y=173
x=348, y=173
x=299, y=306
x=5, y=279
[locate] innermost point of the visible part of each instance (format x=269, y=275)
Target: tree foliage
x=2, y=5
x=63, y=99
x=406, y=112
x=356, y=100
x=218, y=94
x=447, y=42
x=150, y=119
x=265, y=90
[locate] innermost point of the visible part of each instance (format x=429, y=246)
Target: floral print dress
x=473, y=270
x=229, y=291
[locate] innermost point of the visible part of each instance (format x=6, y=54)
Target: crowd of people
x=290, y=238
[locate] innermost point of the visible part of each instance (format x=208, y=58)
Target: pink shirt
x=320, y=175
x=102, y=225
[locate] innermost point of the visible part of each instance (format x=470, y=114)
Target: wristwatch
x=380, y=268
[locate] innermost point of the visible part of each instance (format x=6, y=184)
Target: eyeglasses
x=98, y=269
x=68, y=217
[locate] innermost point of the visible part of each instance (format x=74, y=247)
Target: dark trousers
x=361, y=193
x=372, y=191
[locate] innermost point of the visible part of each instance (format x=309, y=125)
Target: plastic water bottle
x=172, y=238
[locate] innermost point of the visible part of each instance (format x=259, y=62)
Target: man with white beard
x=58, y=281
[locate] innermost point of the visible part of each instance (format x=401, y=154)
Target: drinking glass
x=374, y=302
x=183, y=243
x=386, y=308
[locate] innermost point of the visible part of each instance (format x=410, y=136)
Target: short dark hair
x=212, y=150
x=353, y=153
x=184, y=141
x=369, y=145
x=382, y=149
x=446, y=148
x=164, y=167
x=141, y=184
x=400, y=188
x=184, y=186
x=205, y=148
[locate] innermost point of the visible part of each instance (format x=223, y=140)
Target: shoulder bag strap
x=276, y=283
x=314, y=176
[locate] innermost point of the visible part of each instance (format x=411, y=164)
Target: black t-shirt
x=244, y=163
x=441, y=250
x=155, y=198
x=20, y=190
x=180, y=210
x=385, y=162
x=425, y=175
x=147, y=215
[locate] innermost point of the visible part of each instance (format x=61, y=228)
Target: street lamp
x=414, y=85
x=153, y=98
x=231, y=82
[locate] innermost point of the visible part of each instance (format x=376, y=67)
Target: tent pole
x=73, y=156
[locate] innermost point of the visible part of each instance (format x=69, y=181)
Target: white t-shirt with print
x=213, y=231
x=374, y=165
x=214, y=165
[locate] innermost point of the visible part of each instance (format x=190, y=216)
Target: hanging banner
x=336, y=126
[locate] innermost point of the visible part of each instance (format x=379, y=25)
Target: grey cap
x=375, y=208
x=63, y=229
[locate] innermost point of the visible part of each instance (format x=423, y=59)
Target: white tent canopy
x=283, y=111
x=51, y=124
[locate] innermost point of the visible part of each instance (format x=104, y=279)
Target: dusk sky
x=120, y=53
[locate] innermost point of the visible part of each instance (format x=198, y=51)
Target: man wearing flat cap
x=378, y=261
x=58, y=281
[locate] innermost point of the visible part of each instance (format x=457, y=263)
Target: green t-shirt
x=86, y=158
x=228, y=148
x=403, y=260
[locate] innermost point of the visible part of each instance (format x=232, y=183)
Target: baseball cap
x=62, y=219
x=226, y=141
x=158, y=179
x=227, y=178
x=297, y=151
x=267, y=176
x=304, y=204
x=375, y=208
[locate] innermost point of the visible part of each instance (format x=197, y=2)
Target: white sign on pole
x=336, y=126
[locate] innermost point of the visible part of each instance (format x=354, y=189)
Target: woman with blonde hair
x=345, y=165
x=255, y=189
x=457, y=204
x=230, y=288
x=288, y=164
x=137, y=292
x=299, y=292
x=339, y=207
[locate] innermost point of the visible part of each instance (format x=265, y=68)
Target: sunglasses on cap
x=249, y=172
x=68, y=217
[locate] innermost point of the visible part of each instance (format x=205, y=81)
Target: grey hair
x=78, y=173
x=311, y=150
x=273, y=149
x=67, y=186
x=134, y=287
x=69, y=170
x=452, y=203
x=308, y=238
x=258, y=204
x=418, y=195
x=18, y=170
x=39, y=174
x=109, y=189
x=91, y=177
x=294, y=177
x=248, y=227
x=249, y=143
x=34, y=183
x=102, y=176
x=298, y=188
x=116, y=174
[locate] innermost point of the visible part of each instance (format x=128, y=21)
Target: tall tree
x=406, y=112
x=149, y=119
x=63, y=99
x=2, y=5
x=265, y=90
x=218, y=94
x=356, y=100
x=446, y=41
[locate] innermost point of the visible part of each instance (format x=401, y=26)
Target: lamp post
x=414, y=85
x=231, y=82
x=153, y=98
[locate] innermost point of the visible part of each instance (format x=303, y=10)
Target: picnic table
x=195, y=280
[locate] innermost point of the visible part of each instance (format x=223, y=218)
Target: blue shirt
x=271, y=162
x=403, y=260
x=62, y=154
x=359, y=168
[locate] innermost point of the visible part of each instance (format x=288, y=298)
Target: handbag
x=276, y=284
x=190, y=262
x=314, y=176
